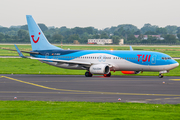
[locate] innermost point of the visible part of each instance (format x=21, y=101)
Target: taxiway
x=141, y=89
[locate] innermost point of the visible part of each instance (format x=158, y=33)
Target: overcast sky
x=97, y=13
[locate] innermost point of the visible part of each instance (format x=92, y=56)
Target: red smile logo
x=35, y=41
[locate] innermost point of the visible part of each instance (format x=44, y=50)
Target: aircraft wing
x=62, y=61
x=69, y=62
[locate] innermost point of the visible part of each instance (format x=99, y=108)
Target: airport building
x=100, y=41
x=121, y=42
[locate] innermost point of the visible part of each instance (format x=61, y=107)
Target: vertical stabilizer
x=37, y=38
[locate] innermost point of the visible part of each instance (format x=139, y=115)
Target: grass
x=29, y=66
x=40, y=110
x=173, y=51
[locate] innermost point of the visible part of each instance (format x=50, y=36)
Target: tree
x=71, y=38
x=178, y=30
x=151, y=39
x=131, y=37
x=170, y=39
x=89, y=30
x=148, y=27
x=150, y=33
x=1, y=36
x=78, y=30
x=57, y=38
x=24, y=27
x=178, y=35
x=115, y=39
x=22, y=34
x=43, y=27
x=171, y=29
x=4, y=29
x=104, y=35
x=96, y=36
x=137, y=32
x=161, y=31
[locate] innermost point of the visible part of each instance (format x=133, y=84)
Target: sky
x=96, y=13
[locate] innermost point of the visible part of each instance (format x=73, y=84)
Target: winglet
x=19, y=52
x=131, y=49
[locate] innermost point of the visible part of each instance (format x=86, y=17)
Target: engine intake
x=99, y=69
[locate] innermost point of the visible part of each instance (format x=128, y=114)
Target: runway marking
x=175, y=79
x=162, y=98
x=42, y=92
x=79, y=81
x=87, y=92
x=157, y=99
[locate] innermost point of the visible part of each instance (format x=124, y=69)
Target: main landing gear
x=88, y=74
x=160, y=76
x=107, y=75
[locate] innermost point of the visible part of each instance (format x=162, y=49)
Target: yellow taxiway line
x=175, y=79
x=83, y=92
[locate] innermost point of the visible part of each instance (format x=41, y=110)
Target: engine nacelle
x=99, y=69
x=130, y=72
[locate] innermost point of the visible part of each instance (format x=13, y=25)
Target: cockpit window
x=166, y=58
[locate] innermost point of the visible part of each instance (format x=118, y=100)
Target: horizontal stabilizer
x=21, y=51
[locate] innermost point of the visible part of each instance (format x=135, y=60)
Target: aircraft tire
x=160, y=76
x=107, y=75
x=88, y=74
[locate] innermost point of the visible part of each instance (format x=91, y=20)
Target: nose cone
x=175, y=64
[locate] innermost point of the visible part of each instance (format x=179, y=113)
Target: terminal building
x=100, y=41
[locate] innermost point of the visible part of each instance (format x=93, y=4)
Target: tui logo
x=35, y=41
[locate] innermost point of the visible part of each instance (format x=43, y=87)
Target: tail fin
x=37, y=38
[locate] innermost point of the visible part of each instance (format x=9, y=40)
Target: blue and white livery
x=96, y=61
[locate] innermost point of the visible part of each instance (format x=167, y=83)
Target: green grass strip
x=48, y=110
x=29, y=66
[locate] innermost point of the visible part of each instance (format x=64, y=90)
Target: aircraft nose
x=176, y=64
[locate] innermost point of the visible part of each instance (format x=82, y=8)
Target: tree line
x=19, y=34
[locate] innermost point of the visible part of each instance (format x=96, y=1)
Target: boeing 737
x=95, y=61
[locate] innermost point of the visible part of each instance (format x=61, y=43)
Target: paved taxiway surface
x=144, y=89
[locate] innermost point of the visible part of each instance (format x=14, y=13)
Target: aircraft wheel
x=88, y=74
x=107, y=75
x=160, y=76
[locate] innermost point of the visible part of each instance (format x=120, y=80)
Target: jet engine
x=130, y=72
x=99, y=69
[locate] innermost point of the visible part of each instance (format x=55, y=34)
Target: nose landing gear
x=160, y=76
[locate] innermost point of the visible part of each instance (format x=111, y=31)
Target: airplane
x=95, y=61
